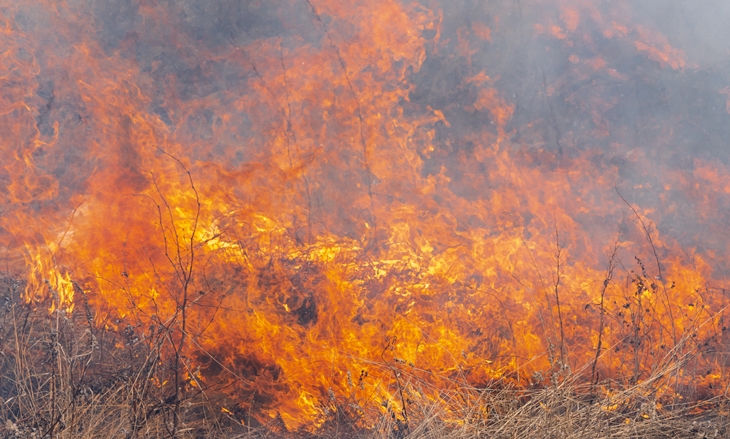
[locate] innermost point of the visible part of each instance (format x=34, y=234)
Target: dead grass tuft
x=62, y=377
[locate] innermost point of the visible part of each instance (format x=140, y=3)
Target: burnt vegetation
x=67, y=374
x=623, y=355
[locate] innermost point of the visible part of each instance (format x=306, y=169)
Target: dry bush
x=63, y=377
x=75, y=375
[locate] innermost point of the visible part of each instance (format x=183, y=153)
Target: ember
x=311, y=207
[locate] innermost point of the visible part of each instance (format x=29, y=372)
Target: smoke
x=341, y=165
x=638, y=83
x=641, y=87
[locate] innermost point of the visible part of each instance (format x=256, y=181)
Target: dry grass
x=62, y=377
x=566, y=410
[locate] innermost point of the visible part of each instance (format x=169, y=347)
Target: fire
x=356, y=199
x=45, y=279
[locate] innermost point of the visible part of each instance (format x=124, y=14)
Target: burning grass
x=367, y=218
x=65, y=377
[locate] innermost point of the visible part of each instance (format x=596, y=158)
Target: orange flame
x=332, y=219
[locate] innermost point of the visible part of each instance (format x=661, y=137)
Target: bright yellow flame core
x=343, y=248
x=46, y=280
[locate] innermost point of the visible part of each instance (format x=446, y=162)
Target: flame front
x=332, y=192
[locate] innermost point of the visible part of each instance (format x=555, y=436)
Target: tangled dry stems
x=65, y=378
